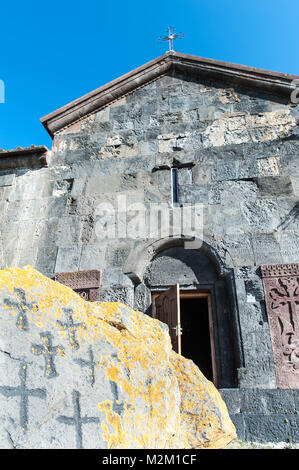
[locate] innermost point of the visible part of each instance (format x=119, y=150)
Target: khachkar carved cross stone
x=71, y=327
x=49, y=352
x=22, y=306
x=24, y=394
x=281, y=285
x=77, y=420
x=86, y=283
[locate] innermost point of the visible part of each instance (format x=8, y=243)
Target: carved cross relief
x=281, y=285
x=86, y=283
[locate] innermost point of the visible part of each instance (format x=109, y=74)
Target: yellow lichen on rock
x=101, y=375
x=205, y=422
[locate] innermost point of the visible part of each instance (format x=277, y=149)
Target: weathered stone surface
x=236, y=151
x=76, y=374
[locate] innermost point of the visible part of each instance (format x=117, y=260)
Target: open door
x=168, y=311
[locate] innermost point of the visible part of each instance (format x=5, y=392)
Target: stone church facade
x=180, y=131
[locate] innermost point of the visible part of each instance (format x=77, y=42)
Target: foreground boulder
x=75, y=374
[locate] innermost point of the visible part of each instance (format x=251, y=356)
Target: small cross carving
x=24, y=394
x=117, y=407
x=22, y=306
x=88, y=363
x=77, y=420
x=49, y=353
x=71, y=327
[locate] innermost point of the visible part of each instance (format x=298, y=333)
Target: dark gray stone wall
x=236, y=153
x=264, y=415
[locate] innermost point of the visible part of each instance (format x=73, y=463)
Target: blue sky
x=54, y=52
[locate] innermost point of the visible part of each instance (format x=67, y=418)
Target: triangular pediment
x=276, y=84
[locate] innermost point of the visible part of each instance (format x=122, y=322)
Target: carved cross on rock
x=49, y=353
x=22, y=306
x=24, y=394
x=70, y=327
x=77, y=420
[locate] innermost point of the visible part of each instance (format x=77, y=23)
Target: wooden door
x=168, y=311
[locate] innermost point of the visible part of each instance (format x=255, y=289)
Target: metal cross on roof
x=171, y=36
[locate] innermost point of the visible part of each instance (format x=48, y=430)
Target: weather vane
x=171, y=37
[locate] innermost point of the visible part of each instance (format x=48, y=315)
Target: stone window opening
x=174, y=186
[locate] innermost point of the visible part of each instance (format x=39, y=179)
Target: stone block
x=233, y=191
x=289, y=243
x=184, y=176
x=68, y=259
x=29, y=257
x=261, y=215
x=279, y=401
x=193, y=194
x=142, y=298
x=46, y=259
x=232, y=398
x=262, y=428
x=268, y=166
x=239, y=423
x=125, y=295
x=100, y=184
x=178, y=103
x=55, y=207
x=293, y=428
x=62, y=187
x=253, y=401
x=239, y=248
x=202, y=174
x=254, y=289
x=225, y=220
x=295, y=184
x=93, y=256
x=7, y=180
x=69, y=231
x=225, y=171
x=296, y=399
x=266, y=249
x=275, y=185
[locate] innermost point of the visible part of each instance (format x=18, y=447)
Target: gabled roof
x=264, y=81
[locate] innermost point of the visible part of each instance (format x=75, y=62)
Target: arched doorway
x=201, y=312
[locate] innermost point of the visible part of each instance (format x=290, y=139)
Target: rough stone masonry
x=230, y=133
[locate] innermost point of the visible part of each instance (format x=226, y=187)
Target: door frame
x=196, y=294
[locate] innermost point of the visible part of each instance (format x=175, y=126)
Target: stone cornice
x=29, y=157
x=274, y=83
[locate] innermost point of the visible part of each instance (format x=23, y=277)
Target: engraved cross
x=77, y=420
x=117, y=406
x=71, y=327
x=22, y=306
x=287, y=294
x=88, y=363
x=24, y=394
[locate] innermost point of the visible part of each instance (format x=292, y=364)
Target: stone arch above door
x=189, y=268
x=145, y=252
